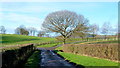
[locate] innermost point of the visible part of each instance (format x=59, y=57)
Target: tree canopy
x=65, y=22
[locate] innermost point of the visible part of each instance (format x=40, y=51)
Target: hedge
x=108, y=51
x=16, y=57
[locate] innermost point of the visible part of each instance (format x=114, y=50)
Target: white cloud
x=22, y=18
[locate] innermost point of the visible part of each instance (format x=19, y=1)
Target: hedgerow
x=108, y=51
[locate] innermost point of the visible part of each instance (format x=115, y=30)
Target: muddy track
x=50, y=60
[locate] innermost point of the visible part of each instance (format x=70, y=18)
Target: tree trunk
x=64, y=41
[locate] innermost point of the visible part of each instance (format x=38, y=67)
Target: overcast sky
x=32, y=14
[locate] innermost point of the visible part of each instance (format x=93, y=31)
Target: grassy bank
x=33, y=61
x=87, y=61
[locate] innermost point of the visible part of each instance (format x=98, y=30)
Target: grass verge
x=86, y=61
x=33, y=61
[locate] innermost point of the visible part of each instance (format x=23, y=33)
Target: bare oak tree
x=64, y=22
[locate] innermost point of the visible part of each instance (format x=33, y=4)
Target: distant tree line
x=31, y=31
x=22, y=30
x=2, y=30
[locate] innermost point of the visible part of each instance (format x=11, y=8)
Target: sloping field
x=13, y=39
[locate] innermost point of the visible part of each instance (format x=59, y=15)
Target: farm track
x=51, y=60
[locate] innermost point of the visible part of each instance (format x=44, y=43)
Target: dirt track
x=50, y=60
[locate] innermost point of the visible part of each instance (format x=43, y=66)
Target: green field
x=98, y=41
x=87, y=61
x=13, y=39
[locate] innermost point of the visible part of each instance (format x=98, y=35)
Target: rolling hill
x=13, y=39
